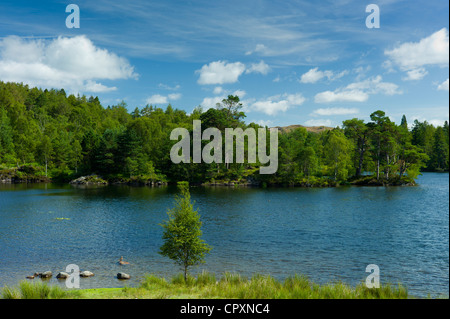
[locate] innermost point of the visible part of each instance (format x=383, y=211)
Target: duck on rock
x=123, y=262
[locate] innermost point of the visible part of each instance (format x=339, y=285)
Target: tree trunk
x=402, y=170
x=378, y=169
x=335, y=170
x=361, y=159
x=387, y=166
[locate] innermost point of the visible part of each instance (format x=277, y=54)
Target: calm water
x=326, y=234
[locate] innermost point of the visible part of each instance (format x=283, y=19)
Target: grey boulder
x=86, y=273
x=62, y=275
x=122, y=275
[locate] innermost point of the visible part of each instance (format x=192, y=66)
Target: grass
x=207, y=286
x=35, y=290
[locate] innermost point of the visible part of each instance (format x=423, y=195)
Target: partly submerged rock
x=89, y=180
x=46, y=274
x=86, y=273
x=122, y=275
x=62, y=275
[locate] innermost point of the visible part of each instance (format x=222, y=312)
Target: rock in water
x=86, y=273
x=122, y=275
x=46, y=274
x=62, y=275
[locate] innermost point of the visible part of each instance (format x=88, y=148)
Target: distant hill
x=314, y=129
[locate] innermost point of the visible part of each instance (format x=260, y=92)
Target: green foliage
x=182, y=233
x=337, y=155
x=440, y=155
x=235, y=286
x=37, y=290
x=71, y=136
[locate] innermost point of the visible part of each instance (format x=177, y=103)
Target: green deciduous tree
x=337, y=150
x=6, y=138
x=182, y=233
x=45, y=149
x=77, y=135
x=308, y=161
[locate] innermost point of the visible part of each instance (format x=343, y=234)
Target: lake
x=328, y=234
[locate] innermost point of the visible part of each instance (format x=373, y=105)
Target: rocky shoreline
x=27, y=174
x=98, y=180
x=89, y=180
x=23, y=174
x=64, y=275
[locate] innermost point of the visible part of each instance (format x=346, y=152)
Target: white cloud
x=443, y=86
x=218, y=90
x=157, y=99
x=260, y=67
x=411, y=57
x=339, y=75
x=375, y=85
x=314, y=75
x=358, y=91
x=267, y=123
x=168, y=87
x=240, y=93
x=362, y=71
x=220, y=72
x=335, y=111
x=436, y=115
x=72, y=63
x=436, y=122
x=415, y=74
x=174, y=96
x=210, y=102
x=319, y=122
x=260, y=48
x=162, y=99
x=94, y=87
x=278, y=103
x=341, y=96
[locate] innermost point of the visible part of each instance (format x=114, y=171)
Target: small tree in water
x=182, y=232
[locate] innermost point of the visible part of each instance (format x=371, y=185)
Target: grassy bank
x=207, y=286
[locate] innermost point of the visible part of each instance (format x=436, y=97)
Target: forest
x=47, y=135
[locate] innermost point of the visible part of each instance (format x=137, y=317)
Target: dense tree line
x=64, y=136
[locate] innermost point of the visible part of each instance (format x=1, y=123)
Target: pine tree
x=439, y=159
x=404, y=123
x=359, y=133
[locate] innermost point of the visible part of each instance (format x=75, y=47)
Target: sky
x=291, y=62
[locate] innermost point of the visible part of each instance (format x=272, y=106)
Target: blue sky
x=290, y=62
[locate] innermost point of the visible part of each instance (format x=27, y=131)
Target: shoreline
x=321, y=182
x=228, y=286
x=29, y=175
